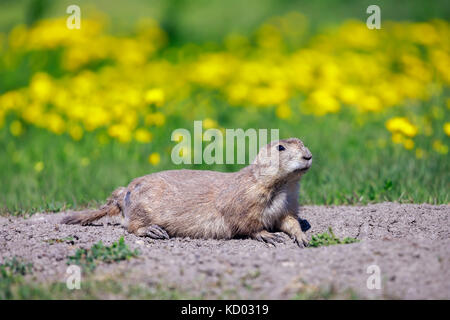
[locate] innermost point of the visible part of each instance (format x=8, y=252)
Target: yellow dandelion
x=155, y=96
x=322, y=102
x=370, y=103
x=447, y=128
x=283, y=111
x=121, y=132
x=154, y=158
x=39, y=166
x=143, y=136
x=85, y=161
x=439, y=147
x=76, y=132
x=209, y=123
x=397, y=138
x=408, y=144
x=403, y=125
x=158, y=119
x=41, y=86
x=16, y=128
x=420, y=153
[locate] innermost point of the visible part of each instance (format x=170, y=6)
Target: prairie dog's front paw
x=301, y=240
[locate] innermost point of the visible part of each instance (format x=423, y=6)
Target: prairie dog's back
x=180, y=184
x=178, y=200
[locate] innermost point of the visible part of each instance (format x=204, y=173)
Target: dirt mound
x=410, y=244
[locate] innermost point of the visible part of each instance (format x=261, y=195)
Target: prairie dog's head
x=284, y=158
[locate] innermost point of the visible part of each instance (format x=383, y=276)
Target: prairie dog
x=256, y=201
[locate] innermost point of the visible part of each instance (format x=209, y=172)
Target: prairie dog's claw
x=269, y=238
x=302, y=243
x=156, y=232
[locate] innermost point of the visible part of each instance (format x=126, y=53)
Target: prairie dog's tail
x=113, y=207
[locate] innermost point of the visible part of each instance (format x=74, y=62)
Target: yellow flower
x=439, y=147
x=154, y=158
x=155, y=96
x=158, y=119
x=209, y=123
x=16, y=128
x=39, y=166
x=447, y=128
x=283, y=111
x=349, y=95
x=322, y=102
x=121, y=132
x=55, y=123
x=408, y=144
x=76, y=132
x=370, y=103
x=401, y=124
x=85, y=162
x=41, y=86
x=143, y=136
x=397, y=138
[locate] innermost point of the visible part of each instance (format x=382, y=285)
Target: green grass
x=349, y=167
x=309, y=292
x=209, y=20
x=16, y=283
x=12, y=272
x=95, y=289
x=328, y=238
x=69, y=240
x=88, y=259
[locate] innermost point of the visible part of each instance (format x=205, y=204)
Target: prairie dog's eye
x=280, y=148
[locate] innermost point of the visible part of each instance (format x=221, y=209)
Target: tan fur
x=207, y=204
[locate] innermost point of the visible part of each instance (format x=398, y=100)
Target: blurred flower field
x=83, y=111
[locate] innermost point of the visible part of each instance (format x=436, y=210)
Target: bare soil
x=410, y=243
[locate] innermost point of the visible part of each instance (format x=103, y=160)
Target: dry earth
x=410, y=243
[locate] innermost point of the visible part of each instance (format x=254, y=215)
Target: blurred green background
x=211, y=20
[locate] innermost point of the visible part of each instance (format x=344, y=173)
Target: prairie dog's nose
x=307, y=154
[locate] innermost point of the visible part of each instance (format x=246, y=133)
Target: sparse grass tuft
x=12, y=272
x=69, y=240
x=328, y=238
x=309, y=292
x=89, y=258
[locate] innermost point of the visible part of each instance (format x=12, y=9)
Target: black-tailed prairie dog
x=258, y=201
